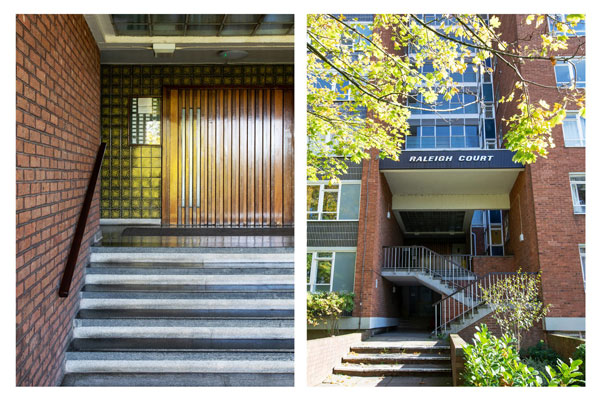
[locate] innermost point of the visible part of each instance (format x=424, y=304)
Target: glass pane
x=309, y=257
x=458, y=130
x=442, y=142
x=443, y=131
x=325, y=255
x=428, y=143
x=562, y=74
x=343, y=273
x=580, y=68
x=349, y=201
x=323, y=272
x=458, y=142
x=330, y=201
x=495, y=216
x=496, y=236
x=581, y=193
x=313, y=216
x=427, y=131
x=472, y=141
x=312, y=197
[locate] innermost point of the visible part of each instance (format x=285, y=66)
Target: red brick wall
x=483, y=265
x=58, y=134
x=380, y=231
x=530, y=338
x=323, y=354
x=550, y=227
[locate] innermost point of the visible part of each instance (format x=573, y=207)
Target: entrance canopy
x=451, y=180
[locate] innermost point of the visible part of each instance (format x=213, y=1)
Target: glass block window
x=578, y=192
x=569, y=73
x=574, y=130
x=144, y=127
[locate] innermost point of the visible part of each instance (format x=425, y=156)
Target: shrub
x=492, y=361
x=579, y=354
x=542, y=353
x=327, y=307
x=539, y=366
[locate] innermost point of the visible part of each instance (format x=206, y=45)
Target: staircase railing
x=424, y=260
x=457, y=305
x=65, y=283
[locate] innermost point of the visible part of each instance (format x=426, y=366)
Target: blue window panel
x=414, y=130
x=428, y=142
x=471, y=109
x=469, y=75
x=343, y=271
x=427, y=68
x=563, y=76
x=580, y=67
x=443, y=131
x=497, y=250
x=488, y=94
x=488, y=62
x=495, y=216
x=412, y=142
x=427, y=130
x=471, y=130
x=442, y=142
x=458, y=142
x=457, y=130
x=472, y=141
x=456, y=77
x=490, y=129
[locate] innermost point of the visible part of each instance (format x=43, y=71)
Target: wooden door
x=228, y=157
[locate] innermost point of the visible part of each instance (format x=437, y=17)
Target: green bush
x=539, y=366
x=542, y=353
x=492, y=361
x=579, y=354
x=327, y=307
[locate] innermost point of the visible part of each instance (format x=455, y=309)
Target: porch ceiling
x=198, y=39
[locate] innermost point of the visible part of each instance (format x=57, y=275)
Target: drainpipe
x=362, y=273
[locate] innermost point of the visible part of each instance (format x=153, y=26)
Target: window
x=577, y=30
x=333, y=202
x=574, y=130
x=582, y=259
x=578, y=192
x=569, y=73
x=330, y=271
x=443, y=137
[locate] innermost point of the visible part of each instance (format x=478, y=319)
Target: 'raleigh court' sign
x=452, y=159
x=460, y=158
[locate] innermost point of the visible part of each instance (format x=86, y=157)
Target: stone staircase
x=184, y=317
x=392, y=354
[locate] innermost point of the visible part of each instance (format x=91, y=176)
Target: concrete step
x=181, y=331
x=192, y=313
x=406, y=348
x=190, y=255
x=397, y=358
x=188, y=271
x=393, y=370
x=206, y=265
x=165, y=295
x=187, y=379
x=179, y=362
x=189, y=288
x=162, y=303
x=131, y=343
x=183, y=279
x=184, y=323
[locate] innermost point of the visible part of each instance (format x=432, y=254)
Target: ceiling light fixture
x=229, y=55
x=163, y=49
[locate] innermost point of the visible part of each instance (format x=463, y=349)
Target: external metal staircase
x=461, y=304
x=171, y=317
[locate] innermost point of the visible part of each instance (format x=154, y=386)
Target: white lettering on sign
x=463, y=158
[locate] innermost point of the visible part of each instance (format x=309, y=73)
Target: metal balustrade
x=420, y=259
x=456, y=306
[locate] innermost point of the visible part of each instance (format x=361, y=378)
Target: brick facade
x=58, y=134
x=550, y=226
x=375, y=231
x=484, y=264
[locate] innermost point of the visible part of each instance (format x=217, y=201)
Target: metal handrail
x=456, y=305
x=425, y=260
x=65, y=283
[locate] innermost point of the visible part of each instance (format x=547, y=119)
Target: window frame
x=322, y=189
x=582, y=261
x=578, y=208
x=580, y=129
x=572, y=75
x=563, y=19
x=314, y=266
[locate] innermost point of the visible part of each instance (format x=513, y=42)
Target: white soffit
x=451, y=181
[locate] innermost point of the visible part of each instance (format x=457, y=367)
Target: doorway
x=227, y=157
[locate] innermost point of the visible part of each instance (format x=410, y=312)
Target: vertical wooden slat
x=188, y=157
x=219, y=158
x=227, y=157
x=203, y=158
x=258, y=197
x=267, y=158
x=288, y=157
x=211, y=159
x=196, y=160
x=251, y=144
x=277, y=155
x=243, y=157
x=235, y=158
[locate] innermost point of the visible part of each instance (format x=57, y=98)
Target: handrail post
x=65, y=283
